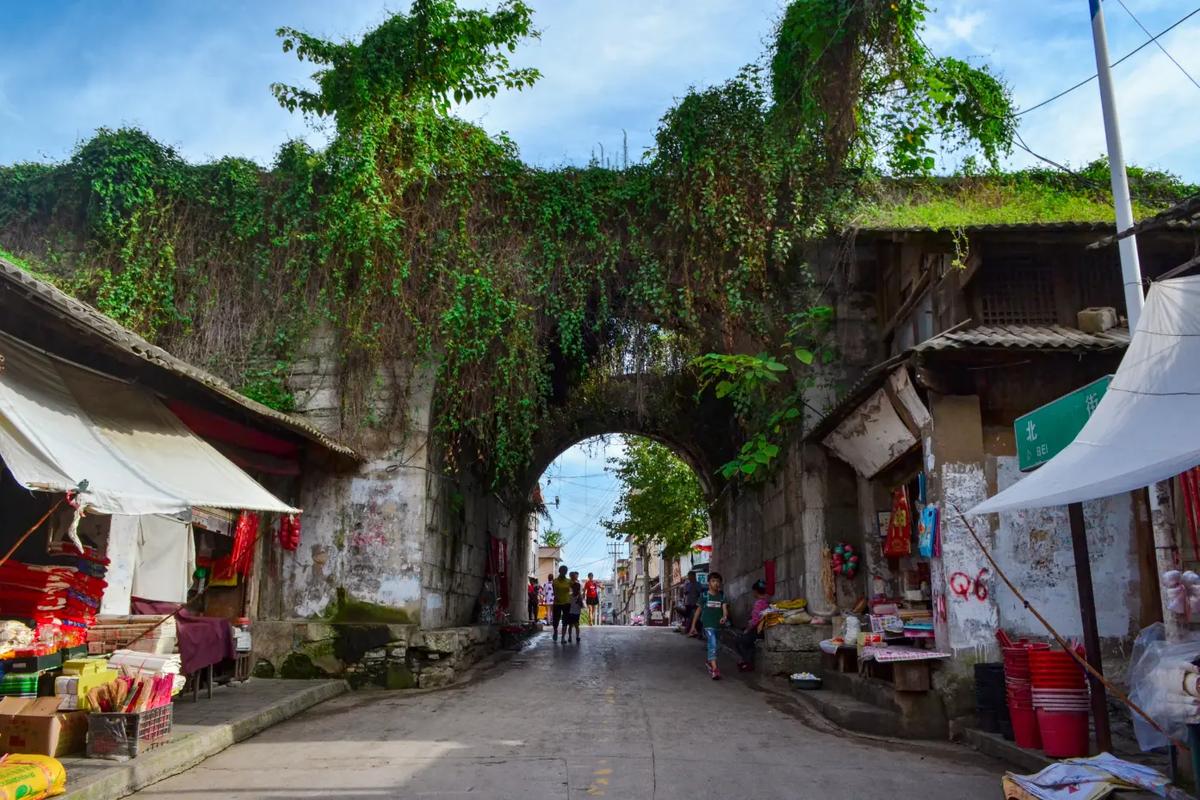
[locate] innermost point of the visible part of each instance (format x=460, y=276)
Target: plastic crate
x=122, y=736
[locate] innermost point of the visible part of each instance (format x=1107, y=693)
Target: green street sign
x=1044, y=432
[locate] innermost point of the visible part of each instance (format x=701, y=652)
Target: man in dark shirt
x=691, y=597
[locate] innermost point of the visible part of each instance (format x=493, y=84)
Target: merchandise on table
x=79, y=677
x=130, y=663
x=20, y=684
x=149, y=633
x=58, y=603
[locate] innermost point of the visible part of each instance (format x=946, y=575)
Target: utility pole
x=1162, y=518
x=1131, y=269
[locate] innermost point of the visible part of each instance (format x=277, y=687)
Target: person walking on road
x=576, y=607
x=713, y=612
x=534, y=595
x=561, y=590
x=591, y=595
x=691, y=597
x=548, y=596
x=748, y=638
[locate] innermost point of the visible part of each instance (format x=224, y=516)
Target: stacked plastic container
x=1060, y=697
x=1019, y=690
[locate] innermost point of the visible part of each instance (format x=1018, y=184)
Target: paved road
x=630, y=713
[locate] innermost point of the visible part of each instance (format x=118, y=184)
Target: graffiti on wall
x=965, y=587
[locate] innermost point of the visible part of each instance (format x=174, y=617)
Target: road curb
x=996, y=746
x=188, y=751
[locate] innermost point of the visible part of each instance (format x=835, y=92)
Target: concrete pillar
x=966, y=614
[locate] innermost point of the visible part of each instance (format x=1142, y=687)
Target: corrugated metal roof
x=1026, y=337
x=58, y=303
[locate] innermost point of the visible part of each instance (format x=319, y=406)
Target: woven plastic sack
x=31, y=777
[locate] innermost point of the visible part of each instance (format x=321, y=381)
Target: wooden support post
x=1091, y=634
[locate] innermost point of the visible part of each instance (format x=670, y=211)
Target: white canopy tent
x=1146, y=428
x=61, y=424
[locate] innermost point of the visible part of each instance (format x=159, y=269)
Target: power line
x=1120, y=60
x=1138, y=22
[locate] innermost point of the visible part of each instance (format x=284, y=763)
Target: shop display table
x=909, y=666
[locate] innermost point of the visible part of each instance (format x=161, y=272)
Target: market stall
x=106, y=495
x=1139, y=433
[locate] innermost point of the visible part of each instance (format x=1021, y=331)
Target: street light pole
x=1131, y=268
x=1161, y=516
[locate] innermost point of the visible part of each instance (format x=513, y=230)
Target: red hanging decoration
x=241, y=559
x=289, y=532
x=899, y=536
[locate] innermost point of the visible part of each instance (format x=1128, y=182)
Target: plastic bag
x=927, y=531
x=31, y=777
x=1158, y=673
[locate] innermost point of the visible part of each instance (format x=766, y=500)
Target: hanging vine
x=417, y=239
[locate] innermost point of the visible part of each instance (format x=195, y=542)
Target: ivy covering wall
x=420, y=239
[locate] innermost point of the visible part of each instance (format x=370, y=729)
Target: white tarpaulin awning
x=60, y=424
x=1146, y=428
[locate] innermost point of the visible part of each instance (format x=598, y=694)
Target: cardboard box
x=40, y=728
x=8, y=707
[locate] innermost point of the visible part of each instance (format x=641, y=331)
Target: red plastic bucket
x=1064, y=733
x=1025, y=727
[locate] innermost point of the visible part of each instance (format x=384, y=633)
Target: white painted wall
x=969, y=625
x=1034, y=549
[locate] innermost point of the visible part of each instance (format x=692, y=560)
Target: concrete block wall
x=807, y=505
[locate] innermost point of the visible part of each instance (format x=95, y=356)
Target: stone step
x=853, y=714
x=918, y=715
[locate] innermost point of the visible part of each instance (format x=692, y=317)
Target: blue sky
x=579, y=493
x=196, y=76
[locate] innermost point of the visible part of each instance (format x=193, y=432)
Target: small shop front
x=888, y=634
x=932, y=432
x=125, y=541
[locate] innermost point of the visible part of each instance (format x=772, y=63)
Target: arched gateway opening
x=629, y=515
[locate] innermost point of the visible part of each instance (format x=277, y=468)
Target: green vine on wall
x=416, y=238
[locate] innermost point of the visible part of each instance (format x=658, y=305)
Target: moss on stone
x=298, y=666
x=347, y=609
x=400, y=677
x=1030, y=196
x=263, y=669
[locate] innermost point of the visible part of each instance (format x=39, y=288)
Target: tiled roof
x=1026, y=337
x=60, y=304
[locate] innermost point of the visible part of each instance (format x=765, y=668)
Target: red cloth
x=203, y=641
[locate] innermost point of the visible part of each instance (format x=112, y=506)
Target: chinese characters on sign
x=1044, y=432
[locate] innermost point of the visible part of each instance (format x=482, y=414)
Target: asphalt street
x=628, y=713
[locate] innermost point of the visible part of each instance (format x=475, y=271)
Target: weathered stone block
x=802, y=638
x=435, y=678
x=785, y=662
x=436, y=641
x=400, y=634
